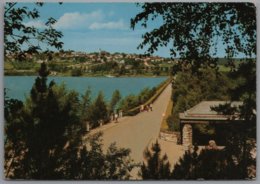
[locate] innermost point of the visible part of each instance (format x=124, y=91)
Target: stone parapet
x=169, y=136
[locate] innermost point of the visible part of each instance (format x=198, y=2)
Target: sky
x=90, y=27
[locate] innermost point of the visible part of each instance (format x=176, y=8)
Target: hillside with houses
x=102, y=63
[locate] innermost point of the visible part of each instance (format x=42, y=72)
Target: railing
x=159, y=90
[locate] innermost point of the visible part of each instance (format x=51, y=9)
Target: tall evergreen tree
x=155, y=167
x=51, y=123
x=98, y=111
x=116, y=96
x=91, y=162
x=207, y=164
x=85, y=106
x=44, y=138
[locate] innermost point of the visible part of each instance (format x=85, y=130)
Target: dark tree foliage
x=189, y=90
x=98, y=111
x=193, y=30
x=242, y=135
x=13, y=112
x=204, y=164
x=21, y=39
x=183, y=170
x=132, y=101
x=155, y=167
x=92, y=163
x=44, y=137
x=209, y=165
x=76, y=72
x=116, y=97
x=85, y=106
x=47, y=123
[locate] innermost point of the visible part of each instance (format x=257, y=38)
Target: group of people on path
x=116, y=115
x=146, y=108
x=143, y=108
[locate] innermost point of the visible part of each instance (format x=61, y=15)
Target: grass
x=164, y=125
x=8, y=66
x=223, y=68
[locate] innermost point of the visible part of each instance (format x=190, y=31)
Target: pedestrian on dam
x=151, y=107
x=116, y=117
x=142, y=108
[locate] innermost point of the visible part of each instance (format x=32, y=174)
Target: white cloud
x=108, y=25
x=78, y=20
x=37, y=24
x=74, y=20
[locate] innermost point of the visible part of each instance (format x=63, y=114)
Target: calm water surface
x=19, y=87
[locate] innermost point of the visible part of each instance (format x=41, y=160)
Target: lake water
x=19, y=87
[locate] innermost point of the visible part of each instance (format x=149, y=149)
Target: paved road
x=136, y=132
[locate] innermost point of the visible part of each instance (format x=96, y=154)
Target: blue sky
x=89, y=27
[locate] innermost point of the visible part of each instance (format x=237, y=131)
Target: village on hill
x=72, y=63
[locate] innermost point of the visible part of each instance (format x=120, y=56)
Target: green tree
x=91, y=162
x=184, y=169
x=44, y=137
x=155, y=167
x=121, y=70
x=116, y=97
x=76, y=72
x=49, y=122
x=19, y=37
x=13, y=131
x=194, y=29
x=189, y=90
x=98, y=111
x=128, y=102
x=85, y=106
x=209, y=164
x=145, y=94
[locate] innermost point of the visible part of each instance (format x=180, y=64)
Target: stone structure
x=202, y=113
x=169, y=136
x=187, y=136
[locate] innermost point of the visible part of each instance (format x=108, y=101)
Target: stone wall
x=169, y=136
x=187, y=136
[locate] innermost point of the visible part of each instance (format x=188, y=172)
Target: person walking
x=151, y=107
x=147, y=108
x=120, y=114
x=142, y=108
x=116, y=117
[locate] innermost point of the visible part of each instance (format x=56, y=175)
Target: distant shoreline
x=101, y=76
